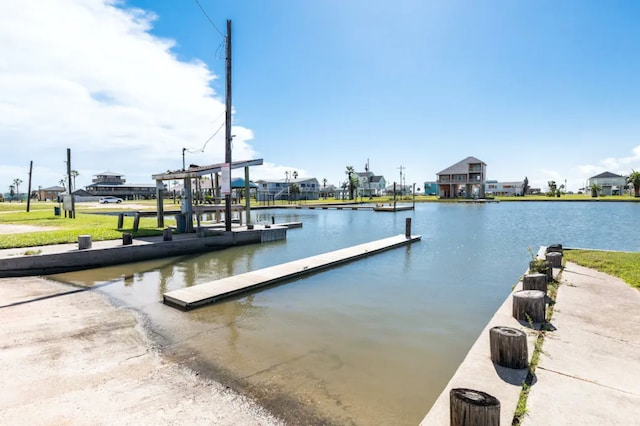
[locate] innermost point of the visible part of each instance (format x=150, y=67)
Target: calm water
x=371, y=342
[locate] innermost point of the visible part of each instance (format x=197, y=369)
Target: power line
x=204, y=12
x=195, y=151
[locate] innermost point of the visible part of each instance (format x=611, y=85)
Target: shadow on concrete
x=512, y=376
x=64, y=293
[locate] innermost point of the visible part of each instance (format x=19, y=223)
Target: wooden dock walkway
x=192, y=297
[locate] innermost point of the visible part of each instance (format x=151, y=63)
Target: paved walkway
x=589, y=373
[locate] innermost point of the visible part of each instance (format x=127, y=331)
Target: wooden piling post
x=554, y=258
x=84, y=242
x=167, y=235
x=536, y=281
x=120, y=220
x=407, y=227
x=469, y=407
x=127, y=239
x=509, y=347
x=529, y=305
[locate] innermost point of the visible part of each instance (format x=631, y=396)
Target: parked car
x=109, y=199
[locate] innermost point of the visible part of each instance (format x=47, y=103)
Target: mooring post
x=471, y=407
x=273, y=220
x=508, y=347
x=127, y=239
x=535, y=281
x=407, y=227
x=529, y=305
x=555, y=258
x=84, y=242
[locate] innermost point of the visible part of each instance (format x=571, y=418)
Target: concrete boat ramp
x=192, y=297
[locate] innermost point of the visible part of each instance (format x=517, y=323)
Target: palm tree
x=634, y=179
x=74, y=174
x=595, y=189
x=17, y=183
x=294, y=190
x=295, y=174
x=353, y=181
x=12, y=193
x=62, y=184
x=324, y=185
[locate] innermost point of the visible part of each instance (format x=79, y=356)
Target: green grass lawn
x=625, y=266
x=99, y=226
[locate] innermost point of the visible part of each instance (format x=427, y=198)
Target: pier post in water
x=471, y=407
x=407, y=227
x=508, y=347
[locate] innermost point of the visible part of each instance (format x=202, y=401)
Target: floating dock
x=397, y=208
x=199, y=295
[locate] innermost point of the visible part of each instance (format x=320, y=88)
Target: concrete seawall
x=478, y=372
x=67, y=257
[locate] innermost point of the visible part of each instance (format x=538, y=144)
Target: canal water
x=370, y=342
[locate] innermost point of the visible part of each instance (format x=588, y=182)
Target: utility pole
x=29, y=190
x=227, y=137
x=366, y=169
x=72, y=213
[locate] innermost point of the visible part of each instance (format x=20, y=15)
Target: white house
x=609, y=183
x=503, y=189
x=370, y=185
x=272, y=190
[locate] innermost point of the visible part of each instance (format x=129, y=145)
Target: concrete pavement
x=589, y=373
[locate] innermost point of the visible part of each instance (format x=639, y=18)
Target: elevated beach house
x=109, y=183
x=465, y=179
x=282, y=189
x=609, y=183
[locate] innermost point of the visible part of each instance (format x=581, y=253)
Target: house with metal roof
x=465, y=178
x=609, y=183
x=50, y=193
x=114, y=184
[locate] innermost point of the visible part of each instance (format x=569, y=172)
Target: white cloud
x=87, y=75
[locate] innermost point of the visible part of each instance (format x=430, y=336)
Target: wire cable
x=204, y=12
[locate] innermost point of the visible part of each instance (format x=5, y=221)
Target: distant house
x=610, y=183
x=370, y=185
x=328, y=191
x=272, y=190
x=466, y=179
x=109, y=183
x=431, y=188
x=51, y=193
x=503, y=189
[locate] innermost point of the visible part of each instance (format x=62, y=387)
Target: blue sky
x=544, y=89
